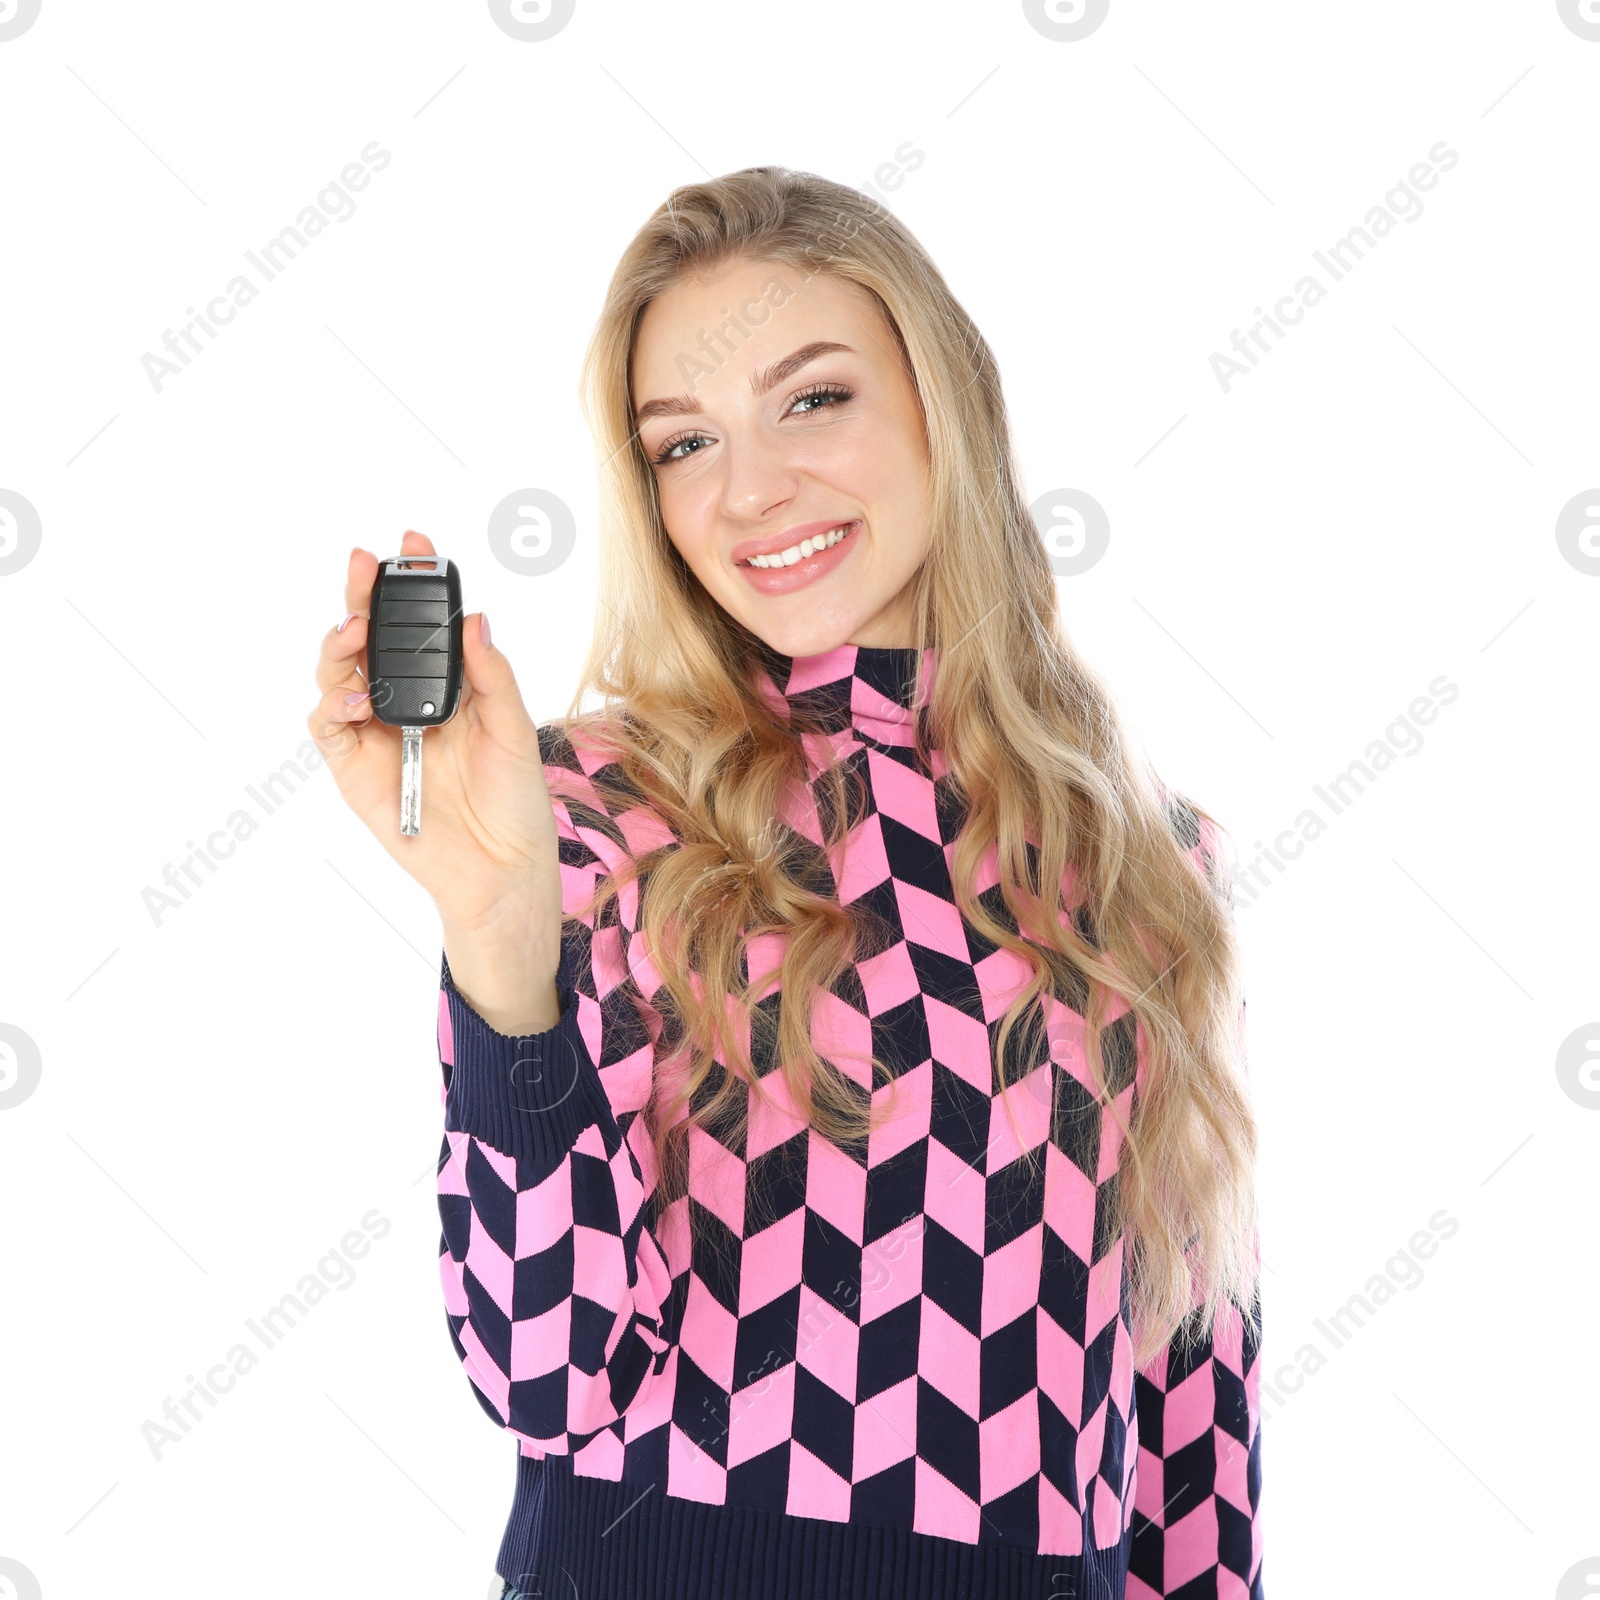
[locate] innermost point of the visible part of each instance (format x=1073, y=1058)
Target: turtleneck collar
x=865, y=690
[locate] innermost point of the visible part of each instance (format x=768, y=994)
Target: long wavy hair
x=1098, y=891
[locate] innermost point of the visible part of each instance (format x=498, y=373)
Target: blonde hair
x=1034, y=752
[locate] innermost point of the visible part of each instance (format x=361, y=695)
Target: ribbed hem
x=620, y=1541
x=529, y=1095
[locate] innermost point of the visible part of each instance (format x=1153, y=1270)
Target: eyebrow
x=760, y=382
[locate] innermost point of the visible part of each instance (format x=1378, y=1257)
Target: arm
x=1196, y=1511
x=556, y=1290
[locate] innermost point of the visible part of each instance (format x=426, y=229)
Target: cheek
x=887, y=473
x=689, y=514
x=865, y=464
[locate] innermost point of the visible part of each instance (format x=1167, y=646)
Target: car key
x=414, y=660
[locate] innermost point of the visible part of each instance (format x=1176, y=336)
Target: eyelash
x=837, y=391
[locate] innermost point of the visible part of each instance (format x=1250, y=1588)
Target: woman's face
x=776, y=410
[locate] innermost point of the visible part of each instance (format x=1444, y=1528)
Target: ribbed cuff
x=528, y=1095
x=617, y=1539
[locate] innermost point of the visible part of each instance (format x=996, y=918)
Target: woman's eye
x=835, y=392
x=664, y=455
x=828, y=395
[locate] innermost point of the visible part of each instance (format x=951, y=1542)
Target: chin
x=803, y=633
x=803, y=641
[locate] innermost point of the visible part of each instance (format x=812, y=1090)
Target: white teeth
x=806, y=547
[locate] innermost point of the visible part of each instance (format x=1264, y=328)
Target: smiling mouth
x=798, y=552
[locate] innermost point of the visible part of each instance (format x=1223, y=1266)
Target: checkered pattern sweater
x=905, y=1369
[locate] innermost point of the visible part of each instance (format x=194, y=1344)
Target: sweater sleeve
x=556, y=1289
x=1196, y=1508
x=1196, y=1511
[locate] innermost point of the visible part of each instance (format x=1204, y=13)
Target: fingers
x=363, y=571
x=336, y=721
x=340, y=660
x=360, y=575
x=344, y=710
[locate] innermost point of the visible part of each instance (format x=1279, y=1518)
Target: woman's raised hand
x=487, y=851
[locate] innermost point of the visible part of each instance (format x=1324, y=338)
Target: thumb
x=490, y=680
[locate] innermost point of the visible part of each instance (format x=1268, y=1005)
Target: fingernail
x=356, y=699
x=346, y=623
x=483, y=627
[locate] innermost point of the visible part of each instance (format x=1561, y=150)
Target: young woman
x=847, y=1179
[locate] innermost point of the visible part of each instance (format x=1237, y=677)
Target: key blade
x=410, y=780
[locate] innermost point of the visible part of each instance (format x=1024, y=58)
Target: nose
x=757, y=478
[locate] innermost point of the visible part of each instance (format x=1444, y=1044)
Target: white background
x=224, y=1094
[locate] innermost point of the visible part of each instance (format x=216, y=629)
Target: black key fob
x=414, y=660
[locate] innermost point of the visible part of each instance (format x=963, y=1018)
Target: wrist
x=507, y=975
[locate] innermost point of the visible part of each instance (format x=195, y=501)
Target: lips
x=746, y=548
x=787, y=578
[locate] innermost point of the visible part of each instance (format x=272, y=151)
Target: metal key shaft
x=414, y=661
x=411, y=780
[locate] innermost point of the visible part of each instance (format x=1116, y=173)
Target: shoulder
x=573, y=743
x=579, y=755
x=591, y=790
x=1201, y=838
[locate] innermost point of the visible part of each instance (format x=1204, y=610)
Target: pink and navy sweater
x=906, y=1370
